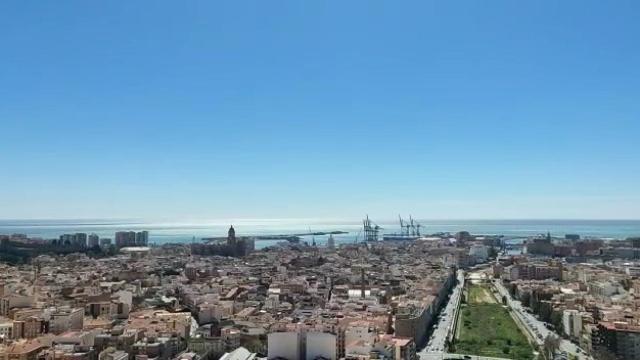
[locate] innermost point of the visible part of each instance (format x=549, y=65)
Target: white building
x=124, y=301
x=272, y=302
x=218, y=310
x=511, y=273
x=65, y=319
x=14, y=301
x=240, y=353
x=136, y=252
x=603, y=288
x=572, y=323
x=287, y=345
x=321, y=344
x=113, y=354
x=359, y=339
x=79, y=338
x=633, y=271
x=6, y=330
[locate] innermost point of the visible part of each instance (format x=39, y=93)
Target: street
x=442, y=328
x=536, y=327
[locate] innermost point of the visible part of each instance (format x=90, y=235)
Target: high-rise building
x=65, y=240
x=331, y=242
x=76, y=240
x=142, y=238
x=125, y=238
x=132, y=238
x=93, y=240
x=80, y=239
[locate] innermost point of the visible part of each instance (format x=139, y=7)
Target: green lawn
x=488, y=330
x=478, y=294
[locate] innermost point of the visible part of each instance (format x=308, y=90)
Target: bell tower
x=231, y=237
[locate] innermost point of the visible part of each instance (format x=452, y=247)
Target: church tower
x=231, y=237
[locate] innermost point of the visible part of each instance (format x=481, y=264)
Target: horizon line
x=176, y=219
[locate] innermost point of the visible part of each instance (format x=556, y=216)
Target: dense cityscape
x=219, y=180
x=399, y=296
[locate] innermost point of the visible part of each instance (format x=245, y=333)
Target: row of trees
x=539, y=301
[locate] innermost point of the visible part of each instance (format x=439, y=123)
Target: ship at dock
x=409, y=231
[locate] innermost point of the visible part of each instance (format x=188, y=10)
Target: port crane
x=371, y=230
x=409, y=228
x=415, y=227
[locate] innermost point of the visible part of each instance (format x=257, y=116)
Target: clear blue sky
x=272, y=109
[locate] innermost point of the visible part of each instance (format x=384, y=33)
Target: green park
x=485, y=328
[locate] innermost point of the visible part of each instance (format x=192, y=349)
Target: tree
x=556, y=320
x=626, y=284
x=525, y=298
x=551, y=345
x=545, y=311
x=535, y=302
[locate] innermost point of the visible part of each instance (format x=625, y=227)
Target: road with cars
x=537, y=328
x=443, y=328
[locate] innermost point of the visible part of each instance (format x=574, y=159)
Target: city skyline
x=319, y=110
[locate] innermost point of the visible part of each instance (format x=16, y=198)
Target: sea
x=162, y=232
